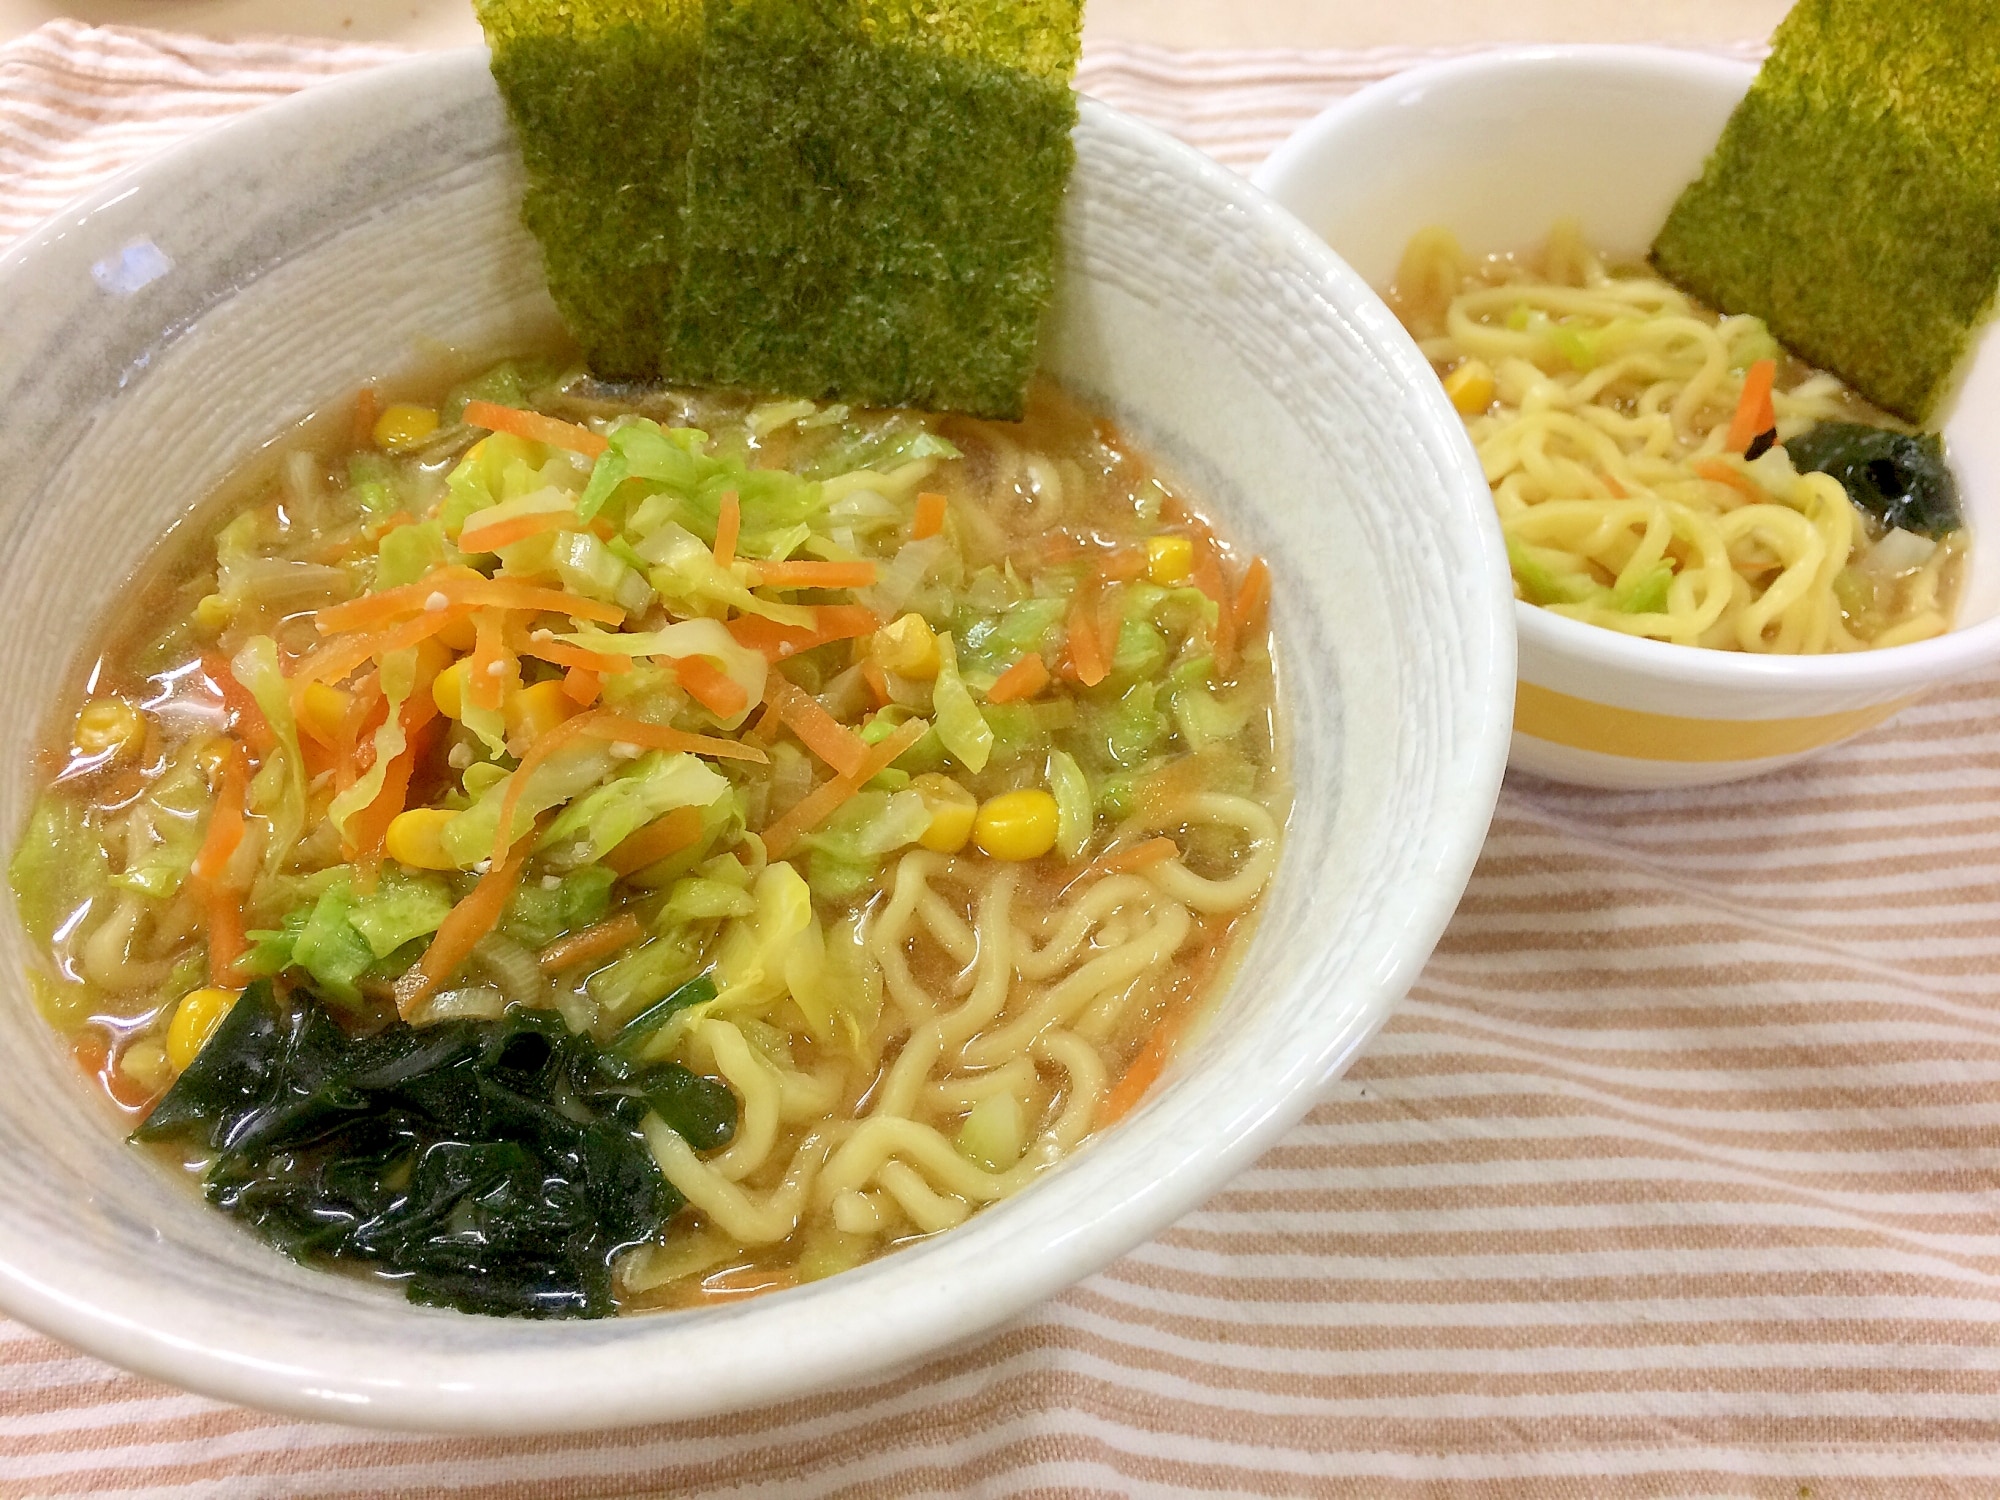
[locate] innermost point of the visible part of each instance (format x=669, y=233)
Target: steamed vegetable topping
x=507, y=801
x=828, y=198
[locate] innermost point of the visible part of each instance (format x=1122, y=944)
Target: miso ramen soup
x=567, y=850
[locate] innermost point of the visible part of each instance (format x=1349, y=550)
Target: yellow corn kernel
x=416, y=838
x=1016, y=825
x=448, y=689
x=404, y=425
x=1470, y=387
x=908, y=647
x=213, y=613
x=952, y=809
x=535, y=710
x=109, y=726
x=459, y=635
x=194, y=1022
x=322, y=711
x=145, y=1063
x=1169, y=559
x=209, y=756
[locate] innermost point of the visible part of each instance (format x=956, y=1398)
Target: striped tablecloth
x=1675, y=1175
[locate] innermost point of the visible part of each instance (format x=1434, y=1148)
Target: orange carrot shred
x=504, y=533
x=563, y=654
x=929, y=519
x=1024, y=679
x=492, y=664
x=222, y=906
x=816, y=575
x=728, y=523
x=1754, y=413
x=477, y=914
x=1086, y=652
x=466, y=589
x=1207, y=577
x=582, y=686
x=1124, y=563
x=604, y=725
x=367, y=407
x=710, y=686
x=1718, y=472
x=1110, y=619
x=535, y=427
x=1253, y=598
x=598, y=941
x=249, y=722
x=821, y=802
x=665, y=835
x=1129, y=857
x=877, y=680
x=831, y=622
x=818, y=730
x=1145, y=1070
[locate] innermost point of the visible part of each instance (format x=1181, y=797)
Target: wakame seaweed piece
x=1853, y=202
x=1899, y=478
x=873, y=198
x=602, y=95
x=496, y=1166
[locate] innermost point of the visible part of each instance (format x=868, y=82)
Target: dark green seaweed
x=497, y=1166
x=1899, y=478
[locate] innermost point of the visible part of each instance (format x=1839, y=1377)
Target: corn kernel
x=1169, y=559
x=1470, y=387
x=1016, y=825
x=535, y=710
x=404, y=425
x=145, y=1063
x=109, y=726
x=213, y=613
x=952, y=809
x=416, y=838
x=209, y=756
x=322, y=711
x=908, y=647
x=459, y=635
x=194, y=1022
x=448, y=689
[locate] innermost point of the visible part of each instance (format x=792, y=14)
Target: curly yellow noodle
x=1609, y=390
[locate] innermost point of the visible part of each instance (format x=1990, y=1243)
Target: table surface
x=1173, y=23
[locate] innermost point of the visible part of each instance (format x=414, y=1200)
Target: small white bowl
x=305, y=250
x=1497, y=148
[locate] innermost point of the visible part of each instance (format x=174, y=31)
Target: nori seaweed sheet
x=601, y=93
x=1853, y=201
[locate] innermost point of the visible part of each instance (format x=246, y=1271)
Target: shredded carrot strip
x=816, y=575
x=367, y=407
x=728, y=523
x=877, y=680
x=333, y=661
x=820, y=803
x=604, y=725
x=535, y=427
x=1718, y=472
x=492, y=663
x=1142, y=856
x=222, y=906
x=1024, y=679
x=1618, y=491
x=818, y=730
x=369, y=828
x=504, y=533
x=1208, y=578
x=667, y=834
x=929, y=519
x=1086, y=654
x=1145, y=1070
x=517, y=784
x=582, y=686
x=1123, y=563
x=249, y=721
x=710, y=686
x=465, y=588
x=395, y=520
x=563, y=654
x=1754, y=413
x=1253, y=598
x=1110, y=620
x=599, y=941
x=477, y=914
x=365, y=710
x=832, y=622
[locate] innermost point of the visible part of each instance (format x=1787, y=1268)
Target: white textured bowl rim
x=1953, y=654
x=618, y=1381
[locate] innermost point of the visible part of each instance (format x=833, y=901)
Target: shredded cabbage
x=957, y=719
x=602, y=819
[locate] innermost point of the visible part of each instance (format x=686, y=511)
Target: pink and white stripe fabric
x=1677, y=1174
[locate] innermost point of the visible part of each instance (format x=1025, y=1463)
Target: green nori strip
x=601, y=93
x=1853, y=202
x=873, y=199
x=1899, y=478
x=498, y=1166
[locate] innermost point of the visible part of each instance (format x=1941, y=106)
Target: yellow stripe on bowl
x=1581, y=724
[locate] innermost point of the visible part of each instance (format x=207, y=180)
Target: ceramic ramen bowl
x=1499, y=147
x=161, y=331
